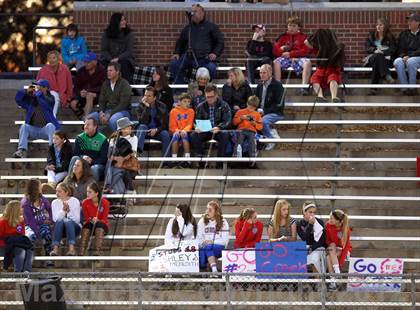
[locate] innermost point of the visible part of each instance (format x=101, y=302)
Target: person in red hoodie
x=181, y=120
x=248, y=230
x=59, y=77
x=95, y=214
x=290, y=51
x=338, y=240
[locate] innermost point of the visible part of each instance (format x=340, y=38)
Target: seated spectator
x=95, y=215
x=117, y=45
x=248, y=230
x=89, y=80
x=290, y=51
x=218, y=113
x=114, y=98
x=66, y=216
x=311, y=230
x=329, y=67
x=40, y=122
x=271, y=94
x=59, y=78
x=163, y=91
x=13, y=242
x=37, y=214
x=181, y=122
x=247, y=121
x=282, y=226
x=259, y=51
x=123, y=144
x=73, y=47
x=338, y=241
x=92, y=146
x=380, y=46
x=212, y=235
x=58, y=160
x=79, y=178
x=153, y=121
x=236, y=90
x=408, y=60
x=207, y=43
x=181, y=227
x=196, y=89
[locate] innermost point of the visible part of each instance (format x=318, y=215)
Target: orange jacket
x=246, y=124
x=181, y=119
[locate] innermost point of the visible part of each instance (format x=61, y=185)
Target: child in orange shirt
x=248, y=122
x=181, y=121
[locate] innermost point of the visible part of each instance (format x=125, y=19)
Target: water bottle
x=239, y=151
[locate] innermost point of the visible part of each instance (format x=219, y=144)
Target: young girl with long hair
x=95, y=214
x=212, y=235
x=66, y=217
x=164, y=92
x=181, y=227
x=282, y=226
x=79, y=178
x=248, y=230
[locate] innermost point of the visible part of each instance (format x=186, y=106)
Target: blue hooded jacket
x=73, y=49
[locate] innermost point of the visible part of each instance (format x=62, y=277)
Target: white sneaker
x=270, y=146
x=274, y=133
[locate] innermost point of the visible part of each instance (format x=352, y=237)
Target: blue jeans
x=97, y=170
x=412, y=64
x=112, y=122
x=269, y=119
x=209, y=251
x=27, y=132
x=162, y=136
x=65, y=227
x=22, y=259
x=177, y=71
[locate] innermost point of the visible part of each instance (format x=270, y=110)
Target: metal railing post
x=413, y=291
x=228, y=290
x=323, y=291
x=140, y=292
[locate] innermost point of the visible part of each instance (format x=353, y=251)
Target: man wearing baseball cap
x=408, y=60
x=40, y=122
x=89, y=79
x=259, y=51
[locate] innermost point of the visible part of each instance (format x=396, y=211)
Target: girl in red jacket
x=338, y=240
x=290, y=51
x=248, y=230
x=95, y=214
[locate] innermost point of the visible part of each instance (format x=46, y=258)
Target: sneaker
x=336, y=100
x=20, y=153
x=270, y=146
x=331, y=286
x=274, y=133
x=389, y=79
x=185, y=165
x=320, y=100
x=304, y=92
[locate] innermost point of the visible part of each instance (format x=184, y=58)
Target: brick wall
x=157, y=30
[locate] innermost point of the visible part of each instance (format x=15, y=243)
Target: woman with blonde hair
x=236, y=90
x=248, y=230
x=12, y=234
x=338, y=240
x=212, y=235
x=282, y=226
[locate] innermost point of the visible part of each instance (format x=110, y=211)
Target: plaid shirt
x=211, y=114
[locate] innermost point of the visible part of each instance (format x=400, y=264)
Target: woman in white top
x=212, y=235
x=119, y=180
x=66, y=216
x=181, y=227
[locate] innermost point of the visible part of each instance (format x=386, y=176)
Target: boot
x=54, y=252
x=71, y=251
x=99, y=241
x=84, y=239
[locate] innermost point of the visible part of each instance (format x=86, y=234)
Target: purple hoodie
x=34, y=217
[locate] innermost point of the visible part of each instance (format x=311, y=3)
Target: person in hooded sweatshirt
x=73, y=48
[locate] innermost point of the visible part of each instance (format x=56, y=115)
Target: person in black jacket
x=153, y=121
x=207, y=43
x=271, y=95
x=259, y=51
x=381, y=46
x=311, y=230
x=58, y=161
x=236, y=90
x=409, y=53
x=164, y=92
x=220, y=116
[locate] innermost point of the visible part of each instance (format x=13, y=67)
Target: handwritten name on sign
x=378, y=267
x=174, y=258
x=237, y=261
x=282, y=257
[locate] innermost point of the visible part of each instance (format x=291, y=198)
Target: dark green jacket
x=117, y=100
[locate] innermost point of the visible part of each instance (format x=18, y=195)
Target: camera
x=31, y=90
x=189, y=14
x=250, y=118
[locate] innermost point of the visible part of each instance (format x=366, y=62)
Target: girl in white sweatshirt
x=181, y=227
x=212, y=235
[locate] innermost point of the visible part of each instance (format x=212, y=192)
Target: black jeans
x=198, y=138
x=253, y=63
x=380, y=67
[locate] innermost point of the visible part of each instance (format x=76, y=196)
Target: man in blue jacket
x=40, y=122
